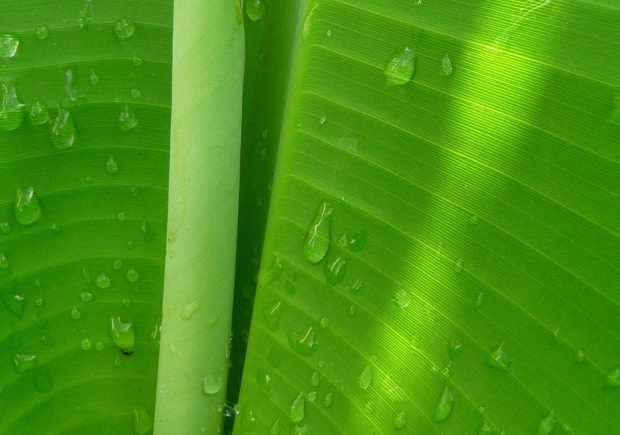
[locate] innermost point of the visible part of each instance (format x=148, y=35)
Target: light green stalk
x=207, y=83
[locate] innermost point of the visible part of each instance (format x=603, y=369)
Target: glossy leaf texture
x=468, y=152
x=84, y=144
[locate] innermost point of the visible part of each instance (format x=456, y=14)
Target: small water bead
x=401, y=67
x=547, y=424
x=255, y=9
x=324, y=322
x=499, y=359
x=38, y=114
x=399, y=420
x=189, y=310
x=352, y=310
x=335, y=270
x=370, y=407
x=444, y=407
x=126, y=303
x=26, y=209
x=297, y=408
x=94, y=78
x=5, y=227
x=131, y=244
x=458, y=265
x=479, y=300
x=580, y=356
x=142, y=421
x=272, y=312
x=137, y=60
x=121, y=217
x=132, y=275
x=117, y=361
x=111, y=167
x=11, y=109
x=248, y=419
x=23, y=362
x=99, y=346
x=123, y=334
x=41, y=32
x=4, y=261
x=135, y=93
x=86, y=344
x=86, y=275
x=148, y=235
x=272, y=272
x=62, y=130
x=446, y=65
x=311, y=396
x=124, y=28
x=318, y=237
x=264, y=381
x=358, y=241
x=86, y=15
x=365, y=378
x=87, y=296
x=76, y=314
x=304, y=343
x=486, y=428
x=328, y=400
x=56, y=228
x=274, y=429
x=308, y=20
x=8, y=45
x=212, y=384
x=322, y=120
x=127, y=119
x=402, y=298
x=328, y=33
x=613, y=377
x=103, y=280
x=155, y=337
x=455, y=348
x=315, y=379
x=39, y=302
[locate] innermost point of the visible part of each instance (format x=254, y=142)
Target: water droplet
x=311, y=396
x=402, y=298
x=264, y=381
x=39, y=302
x=275, y=427
x=123, y=334
x=73, y=94
x=315, y=379
x=272, y=272
x=117, y=361
x=5, y=228
x=613, y=377
x=335, y=269
x=38, y=113
x=401, y=67
x=86, y=15
x=189, y=310
x=304, y=343
x=307, y=27
x=27, y=209
x=318, y=237
x=137, y=60
x=4, y=261
x=86, y=344
x=87, y=296
x=272, y=313
x=328, y=400
x=322, y=120
x=499, y=359
x=62, y=130
x=211, y=384
x=11, y=109
x=324, y=322
x=76, y=314
x=121, y=217
x=127, y=119
x=399, y=420
x=456, y=347
x=56, y=228
x=142, y=421
x=443, y=410
x=458, y=265
x=155, y=337
x=8, y=45
x=547, y=424
x=358, y=241
x=365, y=378
x=99, y=346
x=290, y=286
x=148, y=235
x=580, y=356
x=479, y=300
x=86, y=275
x=132, y=275
x=328, y=33
x=41, y=32
x=23, y=362
x=352, y=310
x=255, y=9
x=111, y=166
x=370, y=407
x=297, y=408
x=486, y=428
x=103, y=280
x=446, y=65
x=94, y=78
x=248, y=419
x=124, y=28
x=135, y=93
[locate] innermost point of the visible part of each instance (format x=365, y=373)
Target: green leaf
x=475, y=145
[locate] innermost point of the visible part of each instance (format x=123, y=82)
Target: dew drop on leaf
x=87, y=14
x=365, y=378
x=304, y=343
x=103, y=280
x=446, y=65
x=264, y=381
x=127, y=119
x=8, y=45
x=335, y=269
x=5, y=227
x=444, y=406
x=11, y=109
x=328, y=400
x=87, y=296
x=499, y=359
x=399, y=420
x=211, y=384
x=271, y=314
x=189, y=309
x=315, y=379
x=318, y=237
x=255, y=9
x=4, y=261
x=76, y=314
x=148, y=235
x=399, y=70
x=86, y=344
x=41, y=32
x=111, y=166
x=613, y=377
x=123, y=334
x=274, y=429
x=62, y=130
x=297, y=408
x=124, y=28
x=132, y=275
x=142, y=421
x=23, y=362
x=38, y=114
x=26, y=209
x=547, y=424
x=94, y=78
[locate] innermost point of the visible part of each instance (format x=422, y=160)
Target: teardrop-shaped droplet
x=255, y=9
x=12, y=301
x=26, y=209
x=274, y=429
x=148, y=235
x=358, y=241
x=124, y=28
x=87, y=296
x=87, y=14
x=94, y=78
x=62, y=130
x=23, y=362
x=132, y=275
x=402, y=298
x=38, y=113
x=401, y=67
x=212, y=384
x=271, y=314
x=142, y=421
x=309, y=19
x=547, y=424
x=399, y=420
x=123, y=334
x=4, y=261
x=11, y=109
x=335, y=269
x=446, y=65
x=499, y=359
x=318, y=237
x=155, y=337
x=444, y=406
x=613, y=377
x=8, y=45
x=5, y=227
x=297, y=408
x=41, y=32
x=271, y=272
x=103, y=280
x=189, y=309
x=127, y=119
x=328, y=400
x=111, y=167
x=304, y=343
x=365, y=378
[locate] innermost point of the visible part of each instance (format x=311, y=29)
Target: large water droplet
x=255, y=9
x=123, y=334
x=547, y=424
x=11, y=109
x=41, y=32
x=211, y=384
x=87, y=14
x=127, y=119
x=8, y=45
x=272, y=313
x=62, y=130
x=26, y=209
x=23, y=362
x=446, y=65
x=443, y=410
x=111, y=167
x=297, y=408
x=124, y=28
x=401, y=67
x=499, y=359
x=103, y=280
x=38, y=113
x=304, y=343
x=399, y=420
x=365, y=378
x=335, y=269
x=318, y=237
x=142, y=421
x=189, y=309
